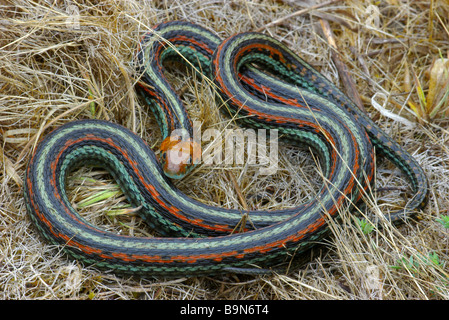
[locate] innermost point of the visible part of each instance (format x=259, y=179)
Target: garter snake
x=263, y=85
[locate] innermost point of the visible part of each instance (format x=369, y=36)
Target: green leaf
x=444, y=221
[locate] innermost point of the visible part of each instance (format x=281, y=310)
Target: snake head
x=179, y=156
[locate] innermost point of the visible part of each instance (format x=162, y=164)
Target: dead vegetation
x=66, y=60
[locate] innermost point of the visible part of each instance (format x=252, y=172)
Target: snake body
x=263, y=85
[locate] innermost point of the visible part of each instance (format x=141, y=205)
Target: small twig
x=348, y=83
x=241, y=225
x=238, y=190
x=297, y=13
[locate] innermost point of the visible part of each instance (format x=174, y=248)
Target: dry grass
x=56, y=67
